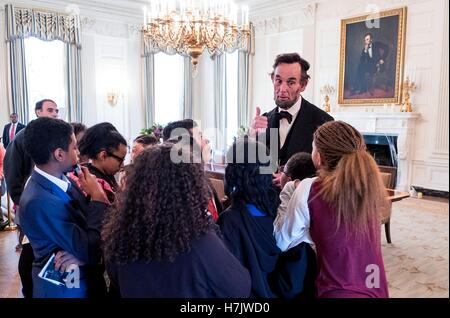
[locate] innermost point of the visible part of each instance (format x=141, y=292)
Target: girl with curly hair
x=247, y=225
x=340, y=211
x=160, y=241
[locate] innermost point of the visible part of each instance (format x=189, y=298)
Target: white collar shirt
x=62, y=183
x=285, y=126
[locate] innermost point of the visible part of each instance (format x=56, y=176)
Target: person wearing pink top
x=2, y=155
x=3, y=223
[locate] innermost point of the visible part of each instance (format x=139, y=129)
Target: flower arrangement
x=155, y=130
x=243, y=131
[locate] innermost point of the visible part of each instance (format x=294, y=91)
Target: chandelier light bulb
x=188, y=27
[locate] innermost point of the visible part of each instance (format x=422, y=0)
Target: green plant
x=155, y=130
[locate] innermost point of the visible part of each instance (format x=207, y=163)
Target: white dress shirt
x=291, y=227
x=369, y=50
x=284, y=124
x=62, y=183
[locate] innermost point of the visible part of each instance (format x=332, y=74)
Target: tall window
x=46, y=73
x=231, y=94
x=168, y=87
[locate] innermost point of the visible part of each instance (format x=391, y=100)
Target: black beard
x=285, y=104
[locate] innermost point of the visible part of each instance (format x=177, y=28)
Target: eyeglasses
x=119, y=159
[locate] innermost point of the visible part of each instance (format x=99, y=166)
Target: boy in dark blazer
x=51, y=217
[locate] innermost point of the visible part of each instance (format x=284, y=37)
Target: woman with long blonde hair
x=340, y=211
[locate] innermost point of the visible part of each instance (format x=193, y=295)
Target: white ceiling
x=131, y=10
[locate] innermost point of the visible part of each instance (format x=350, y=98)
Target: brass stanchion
x=9, y=227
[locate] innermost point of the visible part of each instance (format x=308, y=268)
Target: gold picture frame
x=371, y=58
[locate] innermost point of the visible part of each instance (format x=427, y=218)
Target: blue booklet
x=51, y=274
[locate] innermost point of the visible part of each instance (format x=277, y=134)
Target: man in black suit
x=10, y=130
x=295, y=119
x=372, y=63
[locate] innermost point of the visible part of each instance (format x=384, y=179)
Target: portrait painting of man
x=371, y=58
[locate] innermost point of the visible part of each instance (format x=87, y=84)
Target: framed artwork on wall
x=371, y=58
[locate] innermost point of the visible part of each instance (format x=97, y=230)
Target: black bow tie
x=284, y=114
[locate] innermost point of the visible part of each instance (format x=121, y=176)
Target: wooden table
x=394, y=195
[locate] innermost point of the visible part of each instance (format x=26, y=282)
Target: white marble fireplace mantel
x=400, y=124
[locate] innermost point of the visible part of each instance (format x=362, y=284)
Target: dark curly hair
x=44, y=135
x=300, y=166
x=244, y=182
x=161, y=211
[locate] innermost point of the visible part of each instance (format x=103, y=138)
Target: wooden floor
x=10, y=286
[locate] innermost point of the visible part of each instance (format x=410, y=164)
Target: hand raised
x=259, y=123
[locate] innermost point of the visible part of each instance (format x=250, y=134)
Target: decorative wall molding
x=134, y=30
x=442, y=135
x=105, y=27
x=287, y=20
x=430, y=175
x=87, y=24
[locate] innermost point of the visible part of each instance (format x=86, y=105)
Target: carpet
x=417, y=261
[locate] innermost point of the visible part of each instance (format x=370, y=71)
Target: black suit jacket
x=5, y=138
x=300, y=135
x=17, y=166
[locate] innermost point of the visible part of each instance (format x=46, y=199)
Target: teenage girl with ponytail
x=340, y=211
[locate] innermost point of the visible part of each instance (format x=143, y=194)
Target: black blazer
x=17, y=166
x=5, y=138
x=300, y=136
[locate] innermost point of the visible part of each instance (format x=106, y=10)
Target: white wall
x=4, y=109
x=110, y=57
x=275, y=34
x=316, y=36
x=111, y=60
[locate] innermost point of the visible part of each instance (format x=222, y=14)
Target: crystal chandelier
x=188, y=27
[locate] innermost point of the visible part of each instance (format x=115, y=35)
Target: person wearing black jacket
x=247, y=225
x=295, y=119
x=18, y=166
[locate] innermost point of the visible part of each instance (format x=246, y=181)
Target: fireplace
x=383, y=148
x=390, y=139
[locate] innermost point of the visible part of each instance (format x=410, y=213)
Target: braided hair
x=350, y=180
